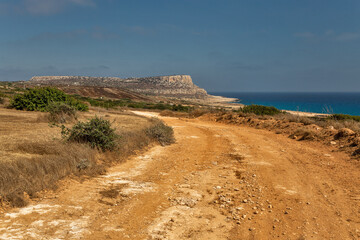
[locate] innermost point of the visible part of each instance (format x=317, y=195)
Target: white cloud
x=329, y=32
x=346, y=37
x=43, y=7
x=306, y=35
x=329, y=35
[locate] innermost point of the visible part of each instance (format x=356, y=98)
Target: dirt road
x=217, y=182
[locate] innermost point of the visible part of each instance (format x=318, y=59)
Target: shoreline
x=226, y=102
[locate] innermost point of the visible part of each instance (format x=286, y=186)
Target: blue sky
x=225, y=45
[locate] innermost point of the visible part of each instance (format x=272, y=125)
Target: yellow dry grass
x=33, y=156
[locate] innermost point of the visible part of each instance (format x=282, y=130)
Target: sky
x=225, y=45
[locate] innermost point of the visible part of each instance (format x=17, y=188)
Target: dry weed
x=58, y=160
x=304, y=134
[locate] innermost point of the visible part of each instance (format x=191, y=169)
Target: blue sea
x=345, y=103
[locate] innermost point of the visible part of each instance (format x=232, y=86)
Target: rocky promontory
x=169, y=86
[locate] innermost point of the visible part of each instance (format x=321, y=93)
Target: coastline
x=226, y=102
x=219, y=101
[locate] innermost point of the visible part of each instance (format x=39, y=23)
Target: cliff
x=170, y=86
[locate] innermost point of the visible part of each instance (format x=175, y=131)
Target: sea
x=329, y=102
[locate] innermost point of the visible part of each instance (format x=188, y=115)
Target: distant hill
x=180, y=86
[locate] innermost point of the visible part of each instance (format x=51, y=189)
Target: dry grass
x=339, y=124
x=56, y=160
x=295, y=118
x=33, y=156
x=168, y=113
x=197, y=112
x=304, y=134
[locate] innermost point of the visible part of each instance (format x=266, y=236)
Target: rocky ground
x=217, y=181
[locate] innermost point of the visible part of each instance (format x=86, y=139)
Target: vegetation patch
x=61, y=112
x=25, y=177
x=343, y=117
x=107, y=103
x=260, y=110
x=96, y=132
x=38, y=99
x=161, y=133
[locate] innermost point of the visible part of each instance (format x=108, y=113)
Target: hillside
x=180, y=86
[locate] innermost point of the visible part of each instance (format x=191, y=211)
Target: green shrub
x=2, y=100
x=343, y=117
x=107, y=103
x=38, y=99
x=161, y=133
x=61, y=112
x=97, y=132
x=260, y=110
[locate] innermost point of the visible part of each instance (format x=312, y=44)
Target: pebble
x=244, y=201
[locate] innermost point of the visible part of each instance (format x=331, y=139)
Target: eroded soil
x=216, y=182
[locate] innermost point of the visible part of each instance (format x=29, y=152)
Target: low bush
x=260, y=110
x=296, y=118
x=97, y=132
x=2, y=98
x=61, y=112
x=160, y=132
x=38, y=99
x=343, y=117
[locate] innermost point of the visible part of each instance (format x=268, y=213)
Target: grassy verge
x=23, y=178
x=35, y=157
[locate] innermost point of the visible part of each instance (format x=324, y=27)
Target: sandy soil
x=216, y=182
